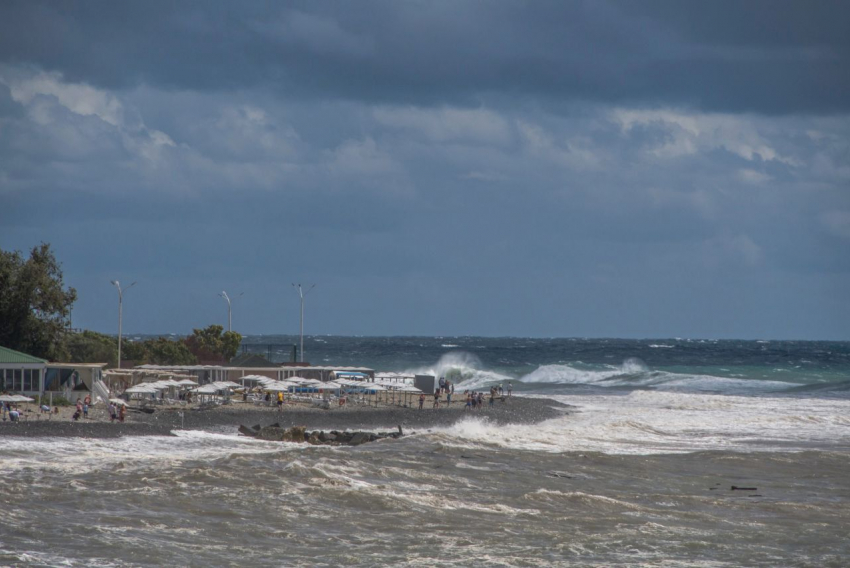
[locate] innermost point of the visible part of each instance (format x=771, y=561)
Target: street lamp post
x=229, y=306
x=302, y=293
x=120, y=310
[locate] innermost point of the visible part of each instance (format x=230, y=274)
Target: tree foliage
x=90, y=347
x=93, y=347
x=35, y=306
x=163, y=351
x=213, y=343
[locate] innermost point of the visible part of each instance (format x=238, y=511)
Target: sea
x=672, y=452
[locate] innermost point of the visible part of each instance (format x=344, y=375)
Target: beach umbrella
x=118, y=401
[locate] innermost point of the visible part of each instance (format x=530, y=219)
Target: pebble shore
x=515, y=410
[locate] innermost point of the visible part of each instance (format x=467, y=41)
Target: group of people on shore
x=82, y=408
x=117, y=412
x=474, y=399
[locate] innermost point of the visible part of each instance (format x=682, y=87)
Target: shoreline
x=515, y=410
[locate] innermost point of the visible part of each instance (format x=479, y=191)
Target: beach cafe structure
x=32, y=376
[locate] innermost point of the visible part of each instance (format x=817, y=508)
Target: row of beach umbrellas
x=155, y=387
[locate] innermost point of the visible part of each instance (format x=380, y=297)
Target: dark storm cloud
x=771, y=57
x=540, y=168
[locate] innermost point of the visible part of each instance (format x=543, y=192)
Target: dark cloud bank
x=504, y=168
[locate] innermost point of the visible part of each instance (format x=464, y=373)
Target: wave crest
x=464, y=370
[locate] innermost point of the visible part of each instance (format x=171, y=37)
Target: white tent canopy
x=141, y=389
x=209, y=389
x=15, y=398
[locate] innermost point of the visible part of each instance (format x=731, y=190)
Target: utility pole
x=302, y=293
x=120, y=310
x=229, y=312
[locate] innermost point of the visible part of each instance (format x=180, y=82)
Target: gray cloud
x=541, y=169
x=771, y=57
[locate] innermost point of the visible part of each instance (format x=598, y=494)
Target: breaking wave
x=464, y=369
x=467, y=371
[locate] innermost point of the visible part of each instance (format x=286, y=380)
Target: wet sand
x=227, y=418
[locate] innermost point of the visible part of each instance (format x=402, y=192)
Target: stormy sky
x=616, y=169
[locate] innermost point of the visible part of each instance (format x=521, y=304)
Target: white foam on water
x=653, y=422
x=85, y=454
x=634, y=373
x=462, y=367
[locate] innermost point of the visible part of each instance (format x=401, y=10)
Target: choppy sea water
x=638, y=473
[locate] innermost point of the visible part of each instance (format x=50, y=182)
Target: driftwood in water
x=736, y=488
x=316, y=437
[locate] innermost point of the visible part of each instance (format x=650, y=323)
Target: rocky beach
x=165, y=421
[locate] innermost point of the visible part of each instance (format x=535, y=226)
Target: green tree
x=90, y=347
x=34, y=304
x=135, y=351
x=213, y=342
x=230, y=342
x=163, y=351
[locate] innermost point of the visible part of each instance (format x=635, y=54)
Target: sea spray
x=463, y=369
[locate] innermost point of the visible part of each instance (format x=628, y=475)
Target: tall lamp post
x=120, y=309
x=229, y=311
x=302, y=293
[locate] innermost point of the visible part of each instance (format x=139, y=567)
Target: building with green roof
x=20, y=372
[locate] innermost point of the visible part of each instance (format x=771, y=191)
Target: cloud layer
x=439, y=168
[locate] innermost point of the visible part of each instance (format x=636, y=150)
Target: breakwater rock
x=276, y=433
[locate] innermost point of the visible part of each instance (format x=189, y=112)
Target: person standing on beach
x=279, y=401
x=448, y=397
x=112, y=412
x=421, y=400
x=437, y=399
x=122, y=412
x=510, y=388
